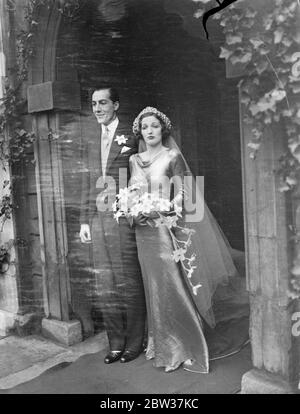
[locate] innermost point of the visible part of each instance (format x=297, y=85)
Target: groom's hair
x=113, y=92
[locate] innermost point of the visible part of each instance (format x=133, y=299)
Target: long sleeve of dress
x=178, y=171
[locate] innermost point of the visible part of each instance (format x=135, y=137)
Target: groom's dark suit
x=118, y=282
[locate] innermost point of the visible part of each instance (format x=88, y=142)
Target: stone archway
x=268, y=214
x=266, y=220
x=46, y=97
x=167, y=55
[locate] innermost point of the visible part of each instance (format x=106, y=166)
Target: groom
x=118, y=282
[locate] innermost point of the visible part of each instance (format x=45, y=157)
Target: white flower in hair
x=121, y=139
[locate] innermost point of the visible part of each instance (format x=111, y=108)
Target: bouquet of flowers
x=132, y=202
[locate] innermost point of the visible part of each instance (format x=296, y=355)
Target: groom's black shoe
x=129, y=356
x=113, y=356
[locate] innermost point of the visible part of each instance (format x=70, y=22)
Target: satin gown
x=175, y=328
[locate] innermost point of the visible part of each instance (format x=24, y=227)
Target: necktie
x=105, y=146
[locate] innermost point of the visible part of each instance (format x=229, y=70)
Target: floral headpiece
x=147, y=110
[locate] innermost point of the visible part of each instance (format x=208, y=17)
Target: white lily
x=195, y=288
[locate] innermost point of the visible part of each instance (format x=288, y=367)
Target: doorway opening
x=152, y=54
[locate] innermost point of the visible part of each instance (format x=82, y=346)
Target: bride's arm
x=178, y=170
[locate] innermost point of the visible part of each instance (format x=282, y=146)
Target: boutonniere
x=121, y=139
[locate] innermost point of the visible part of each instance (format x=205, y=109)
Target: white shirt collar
x=112, y=127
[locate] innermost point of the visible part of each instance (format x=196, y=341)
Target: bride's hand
x=152, y=215
x=140, y=220
x=155, y=214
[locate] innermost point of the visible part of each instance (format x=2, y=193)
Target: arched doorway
x=266, y=223
x=148, y=54
x=146, y=51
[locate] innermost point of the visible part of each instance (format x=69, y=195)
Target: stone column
x=44, y=103
x=268, y=214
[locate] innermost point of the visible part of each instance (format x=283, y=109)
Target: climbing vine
x=26, y=37
x=266, y=44
x=5, y=255
x=14, y=139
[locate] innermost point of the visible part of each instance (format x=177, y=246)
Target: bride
x=178, y=316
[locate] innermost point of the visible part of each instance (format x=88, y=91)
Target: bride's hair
x=165, y=131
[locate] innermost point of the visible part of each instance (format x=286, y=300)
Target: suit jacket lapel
x=114, y=151
x=95, y=154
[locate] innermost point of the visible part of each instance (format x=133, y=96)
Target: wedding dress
x=182, y=326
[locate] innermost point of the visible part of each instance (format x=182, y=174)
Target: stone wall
x=8, y=278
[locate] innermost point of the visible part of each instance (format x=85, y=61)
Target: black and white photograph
x=149, y=199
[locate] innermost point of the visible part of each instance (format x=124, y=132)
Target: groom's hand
x=85, y=233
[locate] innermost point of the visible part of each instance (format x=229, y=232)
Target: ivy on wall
x=69, y=9
x=15, y=140
x=266, y=44
x=5, y=255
